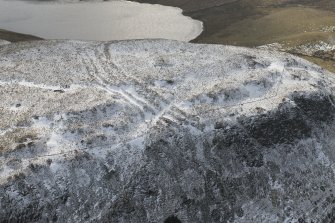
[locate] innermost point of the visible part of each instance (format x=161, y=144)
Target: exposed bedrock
x=164, y=131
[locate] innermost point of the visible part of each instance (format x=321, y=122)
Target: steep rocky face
x=163, y=131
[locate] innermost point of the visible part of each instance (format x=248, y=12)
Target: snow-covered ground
x=3, y=42
x=309, y=49
x=137, y=131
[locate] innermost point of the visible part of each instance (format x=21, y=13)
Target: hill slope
x=140, y=131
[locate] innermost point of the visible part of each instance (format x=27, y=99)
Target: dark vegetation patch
x=172, y=219
x=248, y=139
x=317, y=108
x=283, y=126
x=290, y=123
x=235, y=141
x=16, y=37
x=59, y=91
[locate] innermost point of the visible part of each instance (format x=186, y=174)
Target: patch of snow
x=4, y=42
x=276, y=67
x=322, y=158
x=56, y=167
x=254, y=90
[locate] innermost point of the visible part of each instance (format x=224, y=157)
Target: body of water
x=112, y=20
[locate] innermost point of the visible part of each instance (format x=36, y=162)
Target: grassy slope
x=16, y=37
x=258, y=22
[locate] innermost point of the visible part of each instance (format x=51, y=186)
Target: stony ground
x=144, y=131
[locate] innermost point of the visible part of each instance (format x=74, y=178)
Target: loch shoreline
x=291, y=24
x=117, y=20
x=257, y=23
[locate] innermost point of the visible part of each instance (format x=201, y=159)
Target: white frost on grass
x=254, y=90
x=212, y=85
x=4, y=42
x=54, y=142
x=276, y=67
x=56, y=167
x=41, y=86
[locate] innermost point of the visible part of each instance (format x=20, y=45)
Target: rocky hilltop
x=163, y=131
